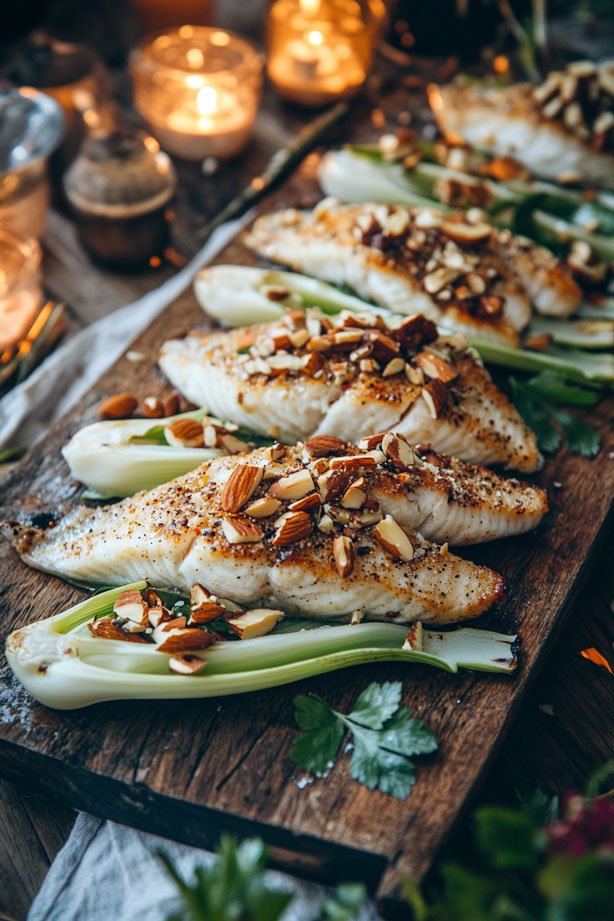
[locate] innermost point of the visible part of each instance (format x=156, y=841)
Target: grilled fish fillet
x=468, y=277
x=407, y=377
x=316, y=560
x=511, y=121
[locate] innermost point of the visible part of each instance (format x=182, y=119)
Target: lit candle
x=198, y=89
x=319, y=50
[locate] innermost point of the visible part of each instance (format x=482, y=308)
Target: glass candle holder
x=31, y=127
x=319, y=50
x=20, y=287
x=198, y=89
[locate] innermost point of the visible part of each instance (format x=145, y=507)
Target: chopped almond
x=256, y=622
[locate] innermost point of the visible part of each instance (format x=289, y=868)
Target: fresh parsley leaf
x=384, y=737
x=582, y=438
x=317, y=750
x=536, y=400
x=377, y=704
x=548, y=437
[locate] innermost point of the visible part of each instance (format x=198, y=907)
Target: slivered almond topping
x=312, y=364
x=232, y=444
x=257, y=622
x=393, y=367
x=466, y=233
x=132, y=607
x=296, y=526
x=398, y=451
x=273, y=471
x=186, y=665
x=184, y=433
x=371, y=442
x=436, y=396
x=435, y=367
x=299, y=338
x=308, y=503
x=187, y=640
x=274, y=452
x=240, y=530
x=203, y=606
x=210, y=435
x=281, y=340
x=355, y=495
x=171, y=403
x=393, y=539
x=152, y=408
x=119, y=406
x=292, y=487
x=414, y=375
x=414, y=638
x=333, y=484
x=343, y=551
x=240, y=486
x=105, y=629
x=153, y=600
x=435, y=281
x=367, y=518
x=384, y=348
x=262, y=508
x=325, y=445
x=354, y=462
x=326, y=525
x=415, y=331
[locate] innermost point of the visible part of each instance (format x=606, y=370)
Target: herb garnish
x=537, y=400
x=384, y=736
x=234, y=888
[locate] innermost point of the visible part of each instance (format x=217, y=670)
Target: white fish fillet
x=491, y=282
x=508, y=122
x=477, y=424
x=174, y=536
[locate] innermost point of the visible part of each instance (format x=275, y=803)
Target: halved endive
x=118, y=458
x=67, y=661
x=241, y=296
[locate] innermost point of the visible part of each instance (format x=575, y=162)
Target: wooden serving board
x=189, y=770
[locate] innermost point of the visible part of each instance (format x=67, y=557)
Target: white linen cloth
x=28, y=410
x=107, y=872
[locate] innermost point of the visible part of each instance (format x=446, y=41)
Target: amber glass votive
x=198, y=89
x=319, y=51
x=20, y=287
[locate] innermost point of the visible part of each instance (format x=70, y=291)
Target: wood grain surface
x=190, y=769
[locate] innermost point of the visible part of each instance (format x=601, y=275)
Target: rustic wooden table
x=563, y=729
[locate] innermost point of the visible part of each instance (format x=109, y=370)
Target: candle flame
x=315, y=38
x=206, y=101
x=309, y=7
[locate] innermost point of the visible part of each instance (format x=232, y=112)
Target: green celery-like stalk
x=307, y=292
x=63, y=666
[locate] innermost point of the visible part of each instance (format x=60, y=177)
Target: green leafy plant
x=384, y=738
x=537, y=862
x=539, y=399
x=233, y=888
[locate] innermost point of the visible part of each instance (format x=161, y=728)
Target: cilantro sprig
x=384, y=735
x=538, y=401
